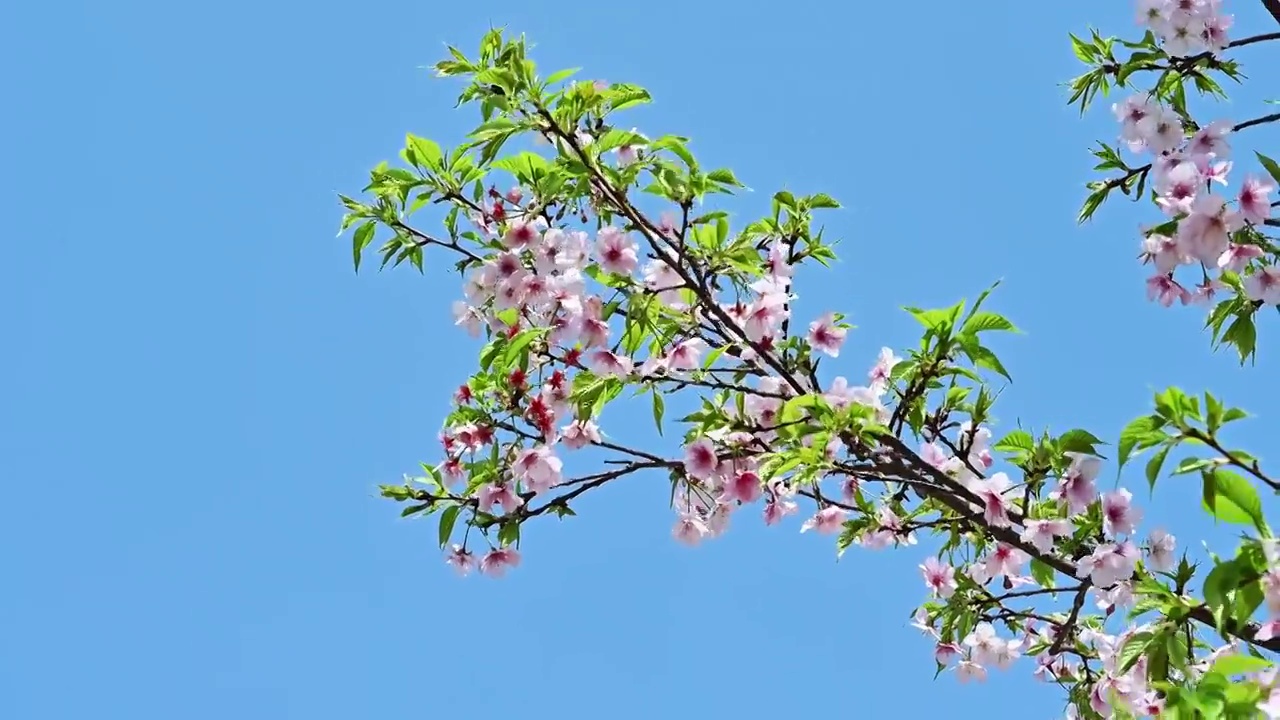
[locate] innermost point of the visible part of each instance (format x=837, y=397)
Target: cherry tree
x=595, y=264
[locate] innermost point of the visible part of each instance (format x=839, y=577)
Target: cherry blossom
x=1118, y=515
x=1160, y=547
x=700, y=459
x=1077, y=486
x=1042, y=533
x=826, y=336
x=939, y=577
x=616, y=251
x=496, y=562
x=460, y=559
x=996, y=502
x=826, y=521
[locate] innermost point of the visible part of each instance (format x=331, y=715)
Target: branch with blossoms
x=578, y=294
x=1211, y=248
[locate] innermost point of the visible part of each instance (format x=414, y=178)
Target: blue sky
x=200, y=396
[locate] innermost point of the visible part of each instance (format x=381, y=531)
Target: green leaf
x=447, y=520
x=677, y=146
x=363, y=236
x=1242, y=334
x=1081, y=441
x=624, y=96
x=986, y=321
x=659, y=408
x=724, y=176
x=984, y=358
x=1233, y=499
x=1042, y=573
x=822, y=200
x=1214, y=413
x=1092, y=203
x=518, y=345
x=1015, y=441
x=1155, y=463
x=425, y=152
x=1190, y=465
x=1230, y=665
x=1140, y=434
x=509, y=533
x=526, y=165
x=1133, y=649
x=1084, y=52
x=415, y=509
x=562, y=75
x=1272, y=167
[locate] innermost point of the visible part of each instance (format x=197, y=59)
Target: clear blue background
x=199, y=396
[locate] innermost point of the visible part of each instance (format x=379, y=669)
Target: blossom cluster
x=1206, y=228
x=1186, y=27
x=1206, y=225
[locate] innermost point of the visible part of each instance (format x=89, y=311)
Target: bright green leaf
x=363, y=236
x=447, y=520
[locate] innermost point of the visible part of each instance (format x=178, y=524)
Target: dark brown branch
x=1257, y=121
x=1273, y=7
x=1254, y=39
x=424, y=240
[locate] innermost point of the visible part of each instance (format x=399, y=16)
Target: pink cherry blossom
x=979, y=444
x=1003, y=561
x=496, y=562
x=968, y=670
x=1211, y=140
x=995, y=502
x=579, y=434
x=1254, y=200
x=826, y=521
x=700, y=459
x=690, y=529
x=826, y=336
x=1109, y=563
x=521, y=234
x=1206, y=232
x=879, y=374
x=1042, y=533
x=921, y=621
x=1166, y=291
x=1160, y=547
x=983, y=643
x=1164, y=252
x=743, y=486
x=686, y=355
x=1271, y=590
x=945, y=653
x=497, y=494
x=1264, y=285
x=1237, y=257
x=616, y=251
x=764, y=316
x=607, y=364
x=1077, y=483
x=538, y=468
x=460, y=559
x=1118, y=514
x=939, y=577
x=467, y=317
x=779, y=266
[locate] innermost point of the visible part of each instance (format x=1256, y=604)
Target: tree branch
x=1257, y=121
x=1255, y=38
x=1273, y=7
